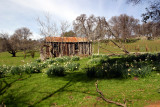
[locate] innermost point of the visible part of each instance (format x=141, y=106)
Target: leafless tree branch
x=107, y=100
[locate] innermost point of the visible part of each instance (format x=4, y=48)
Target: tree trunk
x=13, y=54
x=98, y=47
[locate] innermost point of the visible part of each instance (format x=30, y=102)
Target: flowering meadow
x=69, y=81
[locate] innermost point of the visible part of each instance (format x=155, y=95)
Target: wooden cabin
x=67, y=46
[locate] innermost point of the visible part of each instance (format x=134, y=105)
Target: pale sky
x=23, y=13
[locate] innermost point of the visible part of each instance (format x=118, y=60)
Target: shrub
x=75, y=58
x=27, y=69
x=72, y=66
x=43, y=65
x=33, y=68
x=118, y=70
x=66, y=58
x=96, y=61
x=137, y=72
x=50, y=61
x=59, y=59
x=156, y=66
x=56, y=71
x=38, y=60
x=4, y=70
x=96, y=56
x=91, y=71
x=127, y=40
x=104, y=57
x=62, y=59
x=111, y=70
x=16, y=70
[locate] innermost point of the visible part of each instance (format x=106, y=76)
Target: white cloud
x=36, y=36
x=52, y=6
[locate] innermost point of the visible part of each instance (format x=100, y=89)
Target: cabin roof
x=66, y=39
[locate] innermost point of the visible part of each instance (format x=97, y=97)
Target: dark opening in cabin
x=55, y=45
x=76, y=46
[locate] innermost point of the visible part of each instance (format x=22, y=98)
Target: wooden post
x=87, y=50
x=69, y=48
x=73, y=47
x=84, y=48
x=98, y=47
x=80, y=48
x=90, y=48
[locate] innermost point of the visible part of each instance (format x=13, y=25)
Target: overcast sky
x=23, y=13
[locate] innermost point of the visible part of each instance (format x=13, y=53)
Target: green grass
x=153, y=46
x=7, y=59
x=76, y=89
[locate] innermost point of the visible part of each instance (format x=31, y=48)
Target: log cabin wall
x=69, y=47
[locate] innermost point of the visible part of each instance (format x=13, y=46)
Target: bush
x=137, y=72
x=66, y=58
x=16, y=70
x=27, y=69
x=127, y=40
x=38, y=60
x=105, y=57
x=56, y=71
x=96, y=61
x=72, y=66
x=59, y=59
x=50, y=61
x=62, y=59
x=96, y=56
x=4, y=70
x=75, y=58
x=91, y=71
x=104, y=41
x=156, y=66
x=33, y=68
x=43, y=65
x=118, y=70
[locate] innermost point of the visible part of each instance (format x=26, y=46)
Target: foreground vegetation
x=70, y=81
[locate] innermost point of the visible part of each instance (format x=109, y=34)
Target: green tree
x=69, y=34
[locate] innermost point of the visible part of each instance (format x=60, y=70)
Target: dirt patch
x=156, y=104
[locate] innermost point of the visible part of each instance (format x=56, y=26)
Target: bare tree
x=23, y=34
x=123, y=25
x=64, y=27
x=101, y=29
x=47, y=27
x=150, y=29
x=11, y=44
x=93, y=28
x=18, y=41
x=84, y=26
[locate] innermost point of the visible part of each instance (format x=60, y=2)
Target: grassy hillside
x=152, y=45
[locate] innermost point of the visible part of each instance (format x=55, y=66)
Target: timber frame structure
x=67, y=46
